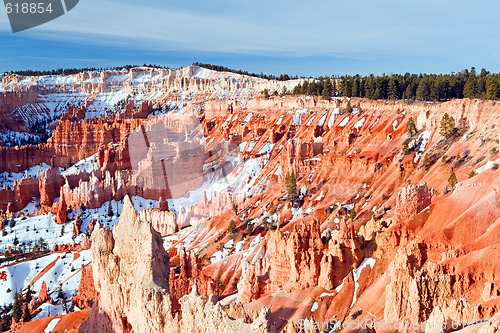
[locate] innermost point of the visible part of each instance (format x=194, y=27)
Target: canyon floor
x=160, y=200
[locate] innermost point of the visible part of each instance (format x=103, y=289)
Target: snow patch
x=344, y=122
x=331, y=121
x=8, y=178
x=488, y=165
x=256, y=240
x=309, y=179
x=359, y=123
x=298, y=117
x=357, y=273
x=86, y=165
x=315, y=307
x=51, y=325
x=322, y=120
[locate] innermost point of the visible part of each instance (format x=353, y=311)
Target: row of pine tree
x=423, y=87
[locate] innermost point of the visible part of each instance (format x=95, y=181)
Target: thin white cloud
x=163, y=29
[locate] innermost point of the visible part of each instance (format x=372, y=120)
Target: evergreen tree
x=26, y=313
x=305, y=87
x=348, y=107
x=291, y=184
x=272, y=209
x=231, y=226
x=411, y=91
x=311, y=88
x=393, y=90
x=470, y=89
x=423, y=90
x=347, y=88
x=406, y=148
x=426, y=159
x=472, y=71
x=492, y=88
x=434, y=91
x=411, y=129
x=448, y=129
x=327, y=89
x=283, y=91
x=110, y=209
x=452, y=180
x=218, y=286
x=28, y=295
x=17, y=308
x=355, y=88
x=265, y=93
x=60, y=295
x=234, y=284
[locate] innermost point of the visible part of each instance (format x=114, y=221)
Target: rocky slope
x=133, y=291
x=198, y=182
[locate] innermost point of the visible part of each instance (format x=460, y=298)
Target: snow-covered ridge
x=139, y=78
x=111, y=90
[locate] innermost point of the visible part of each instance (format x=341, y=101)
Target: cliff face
x=73, y=142
x=131, y=276
x=416, y=290
x=132, y=290
x=86, y=290
x=411, y=201
x=306, y=259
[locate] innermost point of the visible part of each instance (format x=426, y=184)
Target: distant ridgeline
x=423, y=87
x=71, y=71
x=282, y=77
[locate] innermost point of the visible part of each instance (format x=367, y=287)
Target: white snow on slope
x=247, y=119
x=359, y=123
x=423, y=138
x=344, y=122
x=86, y=165
x=28, y=230
x=298, y=117
x=331, y=121
x=8, y=179
x=256, y=240
x=357, y=273
x=314, y=307
x=49, y=310
x=12, y=138
x=51, y=325
x=488, y=165
x=267, y=149
x=322, y=120
x=65, y=273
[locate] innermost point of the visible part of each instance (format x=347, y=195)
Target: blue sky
x=296, y=37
